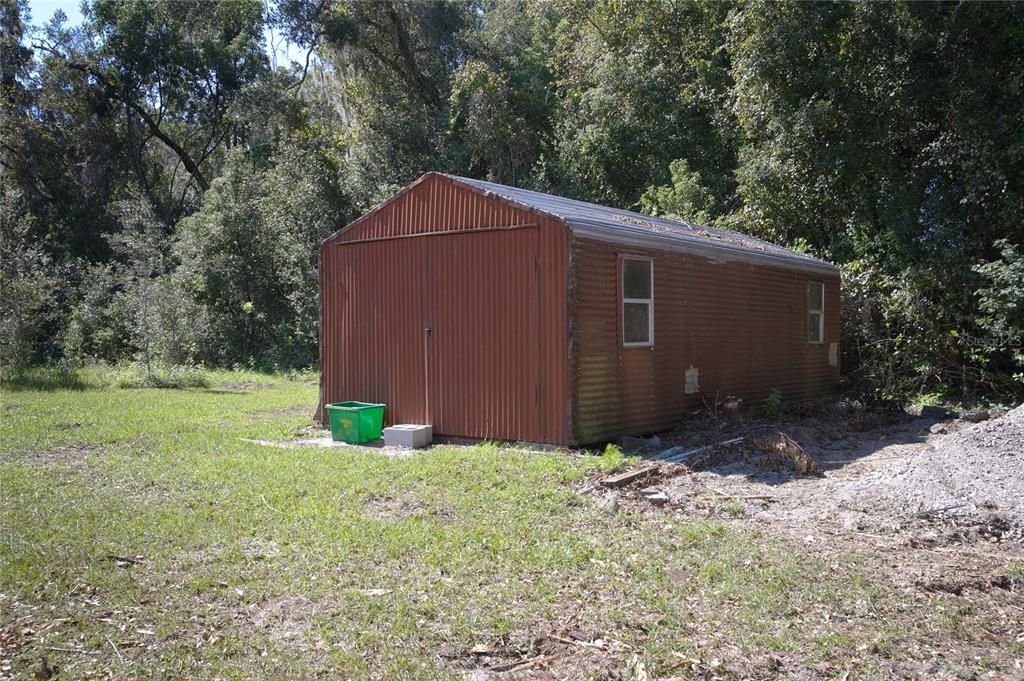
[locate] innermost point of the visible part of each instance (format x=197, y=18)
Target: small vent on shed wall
x=692, y=381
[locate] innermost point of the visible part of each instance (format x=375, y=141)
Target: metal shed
x=495, y=312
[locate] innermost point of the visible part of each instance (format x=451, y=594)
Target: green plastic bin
x=356, y=422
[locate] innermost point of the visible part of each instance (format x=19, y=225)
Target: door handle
x=426, y=330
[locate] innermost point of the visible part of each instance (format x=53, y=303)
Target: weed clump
x=612, y=459
x=772, y=404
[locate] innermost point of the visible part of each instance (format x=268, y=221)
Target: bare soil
x=898, y=478
x=930, y=507
x=936, y=481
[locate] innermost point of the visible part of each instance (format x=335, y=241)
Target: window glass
x=636, y=322
x=815, y=311
x=636, y=279
x=814, y=327
x=815, y=296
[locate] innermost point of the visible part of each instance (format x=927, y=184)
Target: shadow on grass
x=43, y=379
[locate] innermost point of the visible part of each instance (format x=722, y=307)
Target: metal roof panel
x=636, y=229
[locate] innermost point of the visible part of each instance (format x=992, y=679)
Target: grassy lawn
x=141, y=537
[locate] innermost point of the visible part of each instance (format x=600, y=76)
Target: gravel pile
x=980, y=467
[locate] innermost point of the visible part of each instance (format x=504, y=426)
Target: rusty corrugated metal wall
x=741, y=325
x=488, y=281
x=525, y=323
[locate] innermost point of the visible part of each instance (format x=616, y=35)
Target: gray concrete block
x=408, y=435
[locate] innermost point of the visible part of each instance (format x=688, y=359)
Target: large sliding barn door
x=444, y=330
x=482, y=312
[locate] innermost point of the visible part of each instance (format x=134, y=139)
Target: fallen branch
x=723, y=497
x=629, y=476
x=67, y=650
x=574, y=642
x=933, y=511
x=520, y=664
x=118, y=652
x=693, y=662
x=683, y=457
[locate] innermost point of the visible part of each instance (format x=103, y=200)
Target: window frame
x=623, y=300
x=820, y=312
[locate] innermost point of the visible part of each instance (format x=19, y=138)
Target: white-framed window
x=637, y=301
x=815, y=312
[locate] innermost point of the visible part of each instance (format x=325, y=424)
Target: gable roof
x=635, y=229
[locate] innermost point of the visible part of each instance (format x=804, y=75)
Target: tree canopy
x=156, y=162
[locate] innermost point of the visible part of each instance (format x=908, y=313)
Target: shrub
x=772, y=404
x=43, y=378
x=97, y=325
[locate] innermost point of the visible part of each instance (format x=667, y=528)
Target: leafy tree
x=501, y=107
x=640, y=85
x=174, y=66
x=396, y=61
x=163, y=327
x=249, y=257
x=27, y=283
x=1001, y=303
x=97, y=326
x=686, y=198
x=880, y=135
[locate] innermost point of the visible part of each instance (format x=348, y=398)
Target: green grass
x=246, y=561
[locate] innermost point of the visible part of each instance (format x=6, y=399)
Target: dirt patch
x=932, y=508
x=976, y=474
x=957, y=586
x=546, y=651
x=189, y=560
x=301, y=409
x=288, y=621
x=284, y=618
x=260, y=549
x=69, y=455
x=928, y=509
x=245, y=386
x=387, y=508
x=904, y=474
x=268, y=415
x=901, y=477
x=392, y=510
